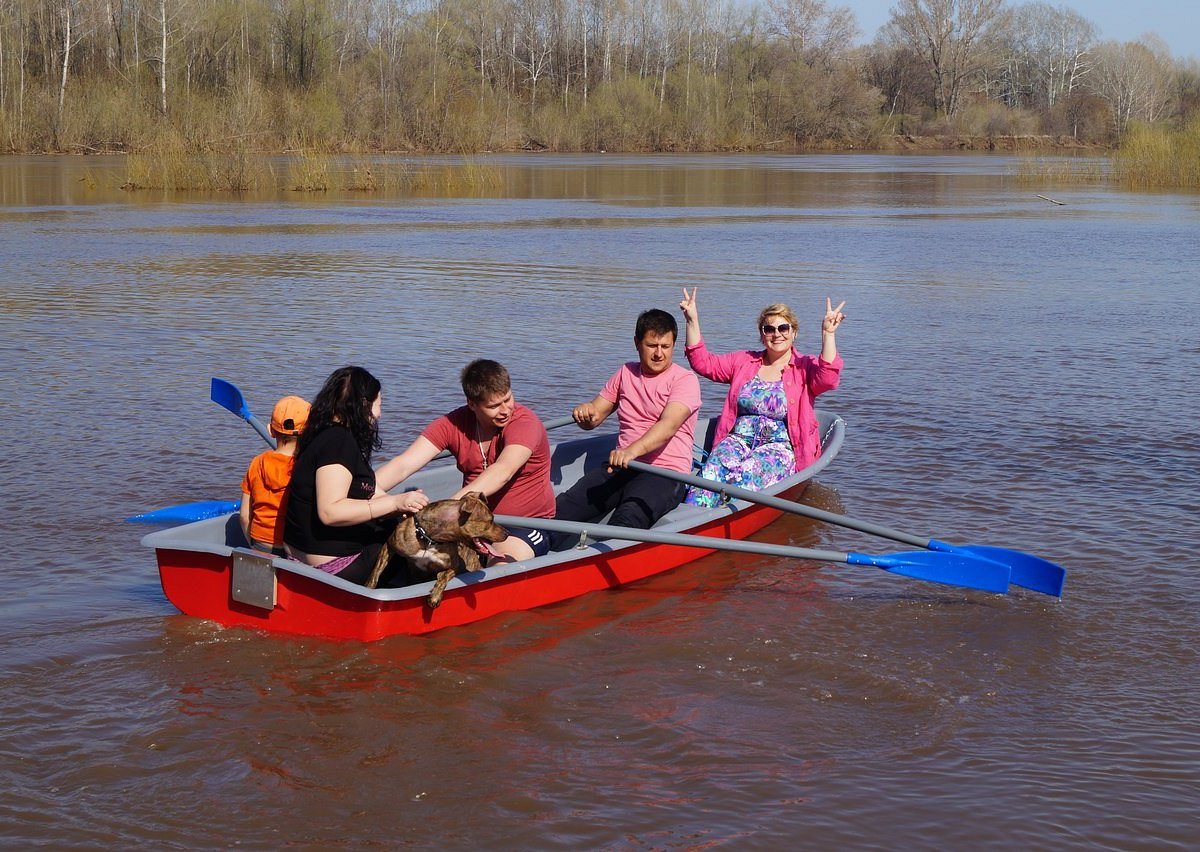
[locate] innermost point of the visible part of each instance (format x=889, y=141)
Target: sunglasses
x=782, y=328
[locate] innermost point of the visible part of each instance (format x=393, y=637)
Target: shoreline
x=896, y=143
x=1014, y=144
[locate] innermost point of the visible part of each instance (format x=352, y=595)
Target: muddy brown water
x=1017, y=373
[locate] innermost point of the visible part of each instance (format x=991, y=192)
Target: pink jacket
x=804, y=379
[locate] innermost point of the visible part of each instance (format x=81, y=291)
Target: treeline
x=477, y=75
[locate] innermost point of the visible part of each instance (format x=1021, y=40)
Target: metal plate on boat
x=252, y=580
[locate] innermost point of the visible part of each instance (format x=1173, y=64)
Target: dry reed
x=468, y=177
x=170, y=164
x=1157, y=157
x=309, y=173
x=1061, y=170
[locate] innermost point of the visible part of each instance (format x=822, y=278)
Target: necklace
x=479, y=441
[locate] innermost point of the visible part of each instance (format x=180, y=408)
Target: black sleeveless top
x=303, y=529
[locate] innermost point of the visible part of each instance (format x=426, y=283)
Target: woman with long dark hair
x=335, y=519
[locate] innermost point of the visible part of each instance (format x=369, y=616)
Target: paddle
x=186, y=512
x=1026, y=570
x=950, y=568
x=227, y=395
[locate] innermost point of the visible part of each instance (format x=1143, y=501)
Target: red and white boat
x=207, y=571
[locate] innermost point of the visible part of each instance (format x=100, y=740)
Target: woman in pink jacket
x=768, y=428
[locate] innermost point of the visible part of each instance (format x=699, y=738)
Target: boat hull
x=200, y=584
x=198, y=568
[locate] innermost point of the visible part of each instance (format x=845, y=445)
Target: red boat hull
x=200, y=584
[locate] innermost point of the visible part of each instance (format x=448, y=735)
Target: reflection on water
x=681, y=181
x=1017, y=373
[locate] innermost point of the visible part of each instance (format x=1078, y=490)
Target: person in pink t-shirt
x=656, y=402
x=500, y=446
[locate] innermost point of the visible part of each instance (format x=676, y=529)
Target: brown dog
x=444, y=539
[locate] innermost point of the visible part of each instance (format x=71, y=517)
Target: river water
x=1018, y=373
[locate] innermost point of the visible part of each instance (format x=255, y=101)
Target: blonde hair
x=779, y=309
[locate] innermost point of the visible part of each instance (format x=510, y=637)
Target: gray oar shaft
x=261, y=430
x=602, y=532
x=733, y=492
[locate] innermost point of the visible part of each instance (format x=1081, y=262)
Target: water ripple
x=1010, y=379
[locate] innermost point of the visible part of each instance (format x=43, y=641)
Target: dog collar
x=421, y=534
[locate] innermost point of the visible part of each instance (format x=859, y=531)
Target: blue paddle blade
x=186, y=512
x=1027, y=571
x=229, y=397
x=953, y=569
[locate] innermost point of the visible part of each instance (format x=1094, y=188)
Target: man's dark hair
x=658, y=321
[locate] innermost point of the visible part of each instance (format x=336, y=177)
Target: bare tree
x=900, y=76
x=1135, y=77
x=171, y=27
x=1054, y=43
x=531, y=45
x=302, y=30
x=951, y=37
x=162, y=56
x=4, y=17
x=73, y=29
x=482, y=22
x=389, y=30
x=813, y=30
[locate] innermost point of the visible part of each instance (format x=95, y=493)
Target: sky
x=1118, y=20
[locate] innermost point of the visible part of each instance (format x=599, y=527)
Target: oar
x=950, y=568
x=227, y=395
x=1026, y=570
x=186, y=512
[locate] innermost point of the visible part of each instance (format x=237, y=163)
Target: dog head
x=468, y=520
x=477, y=519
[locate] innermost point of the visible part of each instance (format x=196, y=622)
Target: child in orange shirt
x=264, y=487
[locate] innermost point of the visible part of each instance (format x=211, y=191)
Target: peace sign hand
x=833, y=316
x=688, y=305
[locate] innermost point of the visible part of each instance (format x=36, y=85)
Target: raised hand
x=688, y=305
x=833, y=316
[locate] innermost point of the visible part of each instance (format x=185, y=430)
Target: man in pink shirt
x=656, y=402
x=500, y=446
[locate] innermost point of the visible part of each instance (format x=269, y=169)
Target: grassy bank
x=1155, y=157
x=1150, y=157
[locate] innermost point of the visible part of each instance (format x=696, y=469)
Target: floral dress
x=757, y=452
